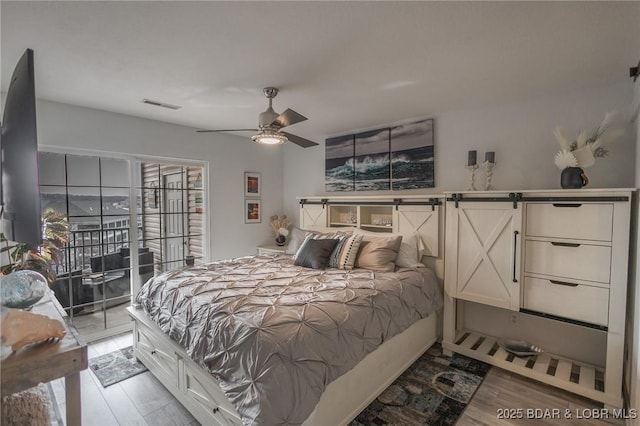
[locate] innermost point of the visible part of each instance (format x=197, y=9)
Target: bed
x=261, y=340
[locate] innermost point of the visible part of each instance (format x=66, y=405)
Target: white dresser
x=558, y=261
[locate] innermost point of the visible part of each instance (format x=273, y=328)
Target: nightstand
x=271, y=249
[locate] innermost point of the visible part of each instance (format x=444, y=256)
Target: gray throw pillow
x=315, y=254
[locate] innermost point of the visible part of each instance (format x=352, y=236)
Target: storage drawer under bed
x=181, y=375
x=211, y=401
x=156, y=355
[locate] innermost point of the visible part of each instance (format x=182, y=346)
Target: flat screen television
x=19, y=191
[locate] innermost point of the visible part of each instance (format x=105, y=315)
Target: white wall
x=70, y=127
x=521, y=134
x=634, y=291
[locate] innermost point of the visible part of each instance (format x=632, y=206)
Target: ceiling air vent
x=160, y=104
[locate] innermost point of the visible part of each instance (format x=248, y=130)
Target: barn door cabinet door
x=313, y=216
x=421, y=220
x=483, y=252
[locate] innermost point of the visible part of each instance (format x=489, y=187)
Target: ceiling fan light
x=269, y=138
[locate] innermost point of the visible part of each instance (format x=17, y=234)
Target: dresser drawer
x=576, y=261
x=209, y=398
x=570, y=220
x=156, y=356
x=579, y=302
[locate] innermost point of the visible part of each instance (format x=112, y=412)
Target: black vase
x=573, y=178
x=280, y=240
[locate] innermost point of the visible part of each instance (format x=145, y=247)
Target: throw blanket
x=274, y=335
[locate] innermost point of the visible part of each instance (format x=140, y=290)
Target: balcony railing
x=85, y=244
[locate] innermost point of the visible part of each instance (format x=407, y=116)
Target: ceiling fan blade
x=288, y=118
x=227, y=130
x=305, y=143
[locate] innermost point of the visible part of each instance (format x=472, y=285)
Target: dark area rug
x=434, y=391
x=116, y=366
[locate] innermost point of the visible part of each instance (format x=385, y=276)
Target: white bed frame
x=342, y=400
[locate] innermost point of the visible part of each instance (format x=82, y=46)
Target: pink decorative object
x=19, y=328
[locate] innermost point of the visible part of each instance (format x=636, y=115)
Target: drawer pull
x=564, y=283
x=215, y=410
x=566, y=205
x=153, y=352
x=555, y=243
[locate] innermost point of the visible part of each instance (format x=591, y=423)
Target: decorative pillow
x=411, y=249
x=315, y=253
x=320, y=236
x=346, y=251
x=378, y=254
x=296, y=238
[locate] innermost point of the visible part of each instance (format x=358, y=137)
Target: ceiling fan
x=270, y=123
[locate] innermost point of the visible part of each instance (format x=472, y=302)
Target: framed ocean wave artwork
x=412, y=156
x=396, y=158
x=372, y=165
x=339, y=171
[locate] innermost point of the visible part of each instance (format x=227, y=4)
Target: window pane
x=115, y=201
x=53, y=197
x=84, y=201
x=115, y=233
x=51, y=170
x=114, y=172
x=83, y=171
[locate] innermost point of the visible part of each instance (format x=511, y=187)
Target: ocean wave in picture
x=373, y=172
x=372, y=164
x=397, y=158
x=339, y=170
x=339, y=174
x=412, y=169
x=373, y=185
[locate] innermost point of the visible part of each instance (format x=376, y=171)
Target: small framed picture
x=252, y=211
x=252, y=184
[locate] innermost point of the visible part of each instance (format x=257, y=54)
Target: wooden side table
x=45, y=361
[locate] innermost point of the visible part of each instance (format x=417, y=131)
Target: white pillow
x=295, y=240
x=411, y=248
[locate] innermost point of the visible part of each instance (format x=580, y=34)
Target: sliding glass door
x=171, y=213
x=129, y=220
x=93, y=282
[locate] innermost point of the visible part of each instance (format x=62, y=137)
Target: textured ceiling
x=344, y=65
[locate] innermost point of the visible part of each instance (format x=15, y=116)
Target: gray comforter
x=274, y=335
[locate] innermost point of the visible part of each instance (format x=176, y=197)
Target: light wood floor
x=90, y=323
x=502, y=390
x=142, y=400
